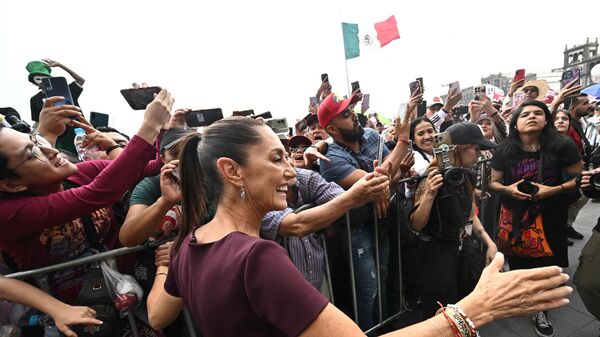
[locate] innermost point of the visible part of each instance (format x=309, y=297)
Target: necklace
x=532, y=148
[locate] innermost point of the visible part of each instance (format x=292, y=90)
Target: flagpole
x=345, y=59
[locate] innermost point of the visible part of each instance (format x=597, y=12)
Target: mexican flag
x=360, y=38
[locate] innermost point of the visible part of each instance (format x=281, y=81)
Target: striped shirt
x=306, y=252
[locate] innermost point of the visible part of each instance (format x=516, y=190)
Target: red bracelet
x=405, y=141
x=442, y=310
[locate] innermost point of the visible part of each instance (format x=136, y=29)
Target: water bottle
x=85, y=154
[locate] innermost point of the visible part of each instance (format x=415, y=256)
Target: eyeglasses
x=36, y=151
x=296, y=148
x=529, y=90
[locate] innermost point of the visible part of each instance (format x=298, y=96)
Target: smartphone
x=313, y=101
x=410, y=146
x=355, y=87
x=479, y=92
x=278, y=125
x=138, y=99
x=443, y=138
x=517, y=99
x=264, y=115
x=57, y=86
x=422, y=108
x=415, y=88
x=98, y=119
x=380, y=146
x=420, y=80
x=324, y=78
x=454, y=86
x=365, y=101
x=174, y=175
x=205, y=117
x=519, y=75
x=569, y=76
x=243, y=113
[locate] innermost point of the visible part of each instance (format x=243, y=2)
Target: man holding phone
x=351, y=156
x=38, y=70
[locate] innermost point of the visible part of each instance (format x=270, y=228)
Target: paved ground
x=573, y=320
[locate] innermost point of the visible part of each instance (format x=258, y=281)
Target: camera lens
x=454, y=177
x=527, y=188
x=595, y=180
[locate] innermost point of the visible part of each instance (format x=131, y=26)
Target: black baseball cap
x=172, y=137
x=469, y=133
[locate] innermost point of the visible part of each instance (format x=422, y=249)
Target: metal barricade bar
x=351, y=259
x=377, y=266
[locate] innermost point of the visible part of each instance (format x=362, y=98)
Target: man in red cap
x=351, y=156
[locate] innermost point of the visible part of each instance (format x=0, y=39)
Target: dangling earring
x=242, y=193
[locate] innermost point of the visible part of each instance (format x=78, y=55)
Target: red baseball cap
x=332, y=106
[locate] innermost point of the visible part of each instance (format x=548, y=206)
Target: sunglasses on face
x=529, y=90
x=298, y=148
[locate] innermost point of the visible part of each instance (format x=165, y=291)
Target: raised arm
x=144, y=220
x=109, y=185
x=369, y=188
x=73, y=74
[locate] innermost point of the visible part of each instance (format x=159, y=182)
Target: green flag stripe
x=351, y=47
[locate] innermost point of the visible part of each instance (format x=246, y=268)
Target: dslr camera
x=444, y=155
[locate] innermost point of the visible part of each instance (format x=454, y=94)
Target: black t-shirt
x=450, y=211
x=554, y=209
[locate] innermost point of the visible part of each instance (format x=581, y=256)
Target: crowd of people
x=481, y=205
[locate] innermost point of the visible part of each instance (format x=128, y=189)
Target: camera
x=11, y=118
x=595, y=180
x=444, y=151
x=452, y=175
x=527, y=187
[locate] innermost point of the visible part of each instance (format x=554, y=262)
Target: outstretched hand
x=71, y=315
x=515, y=293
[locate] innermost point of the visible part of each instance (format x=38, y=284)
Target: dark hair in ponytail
x=200, y=180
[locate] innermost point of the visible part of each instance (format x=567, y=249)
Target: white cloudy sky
x=268, y=55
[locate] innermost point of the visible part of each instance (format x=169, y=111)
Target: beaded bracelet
x=472, y=328
x=459, y=322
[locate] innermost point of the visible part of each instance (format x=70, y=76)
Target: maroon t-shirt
x=242, y=286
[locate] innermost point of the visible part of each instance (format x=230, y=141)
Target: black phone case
x=138, y=99
x=57, y=86
x=203, y=117
x=98, y=119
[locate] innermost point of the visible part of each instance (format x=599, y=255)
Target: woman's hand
x=169, y=185
x=158, y=112
x=514, y=192
x=94, y=137
x=163, y=254
x=406, y=164
x=433, y=183
x=515, y=293
x=490, y=253
x=545, y=191
x=70, y=315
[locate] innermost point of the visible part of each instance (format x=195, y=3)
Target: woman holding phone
x=528, y=169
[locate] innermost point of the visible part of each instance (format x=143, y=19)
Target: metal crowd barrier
x=40, y=277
